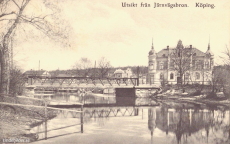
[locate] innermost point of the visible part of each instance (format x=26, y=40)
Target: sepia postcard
x=115, y=71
